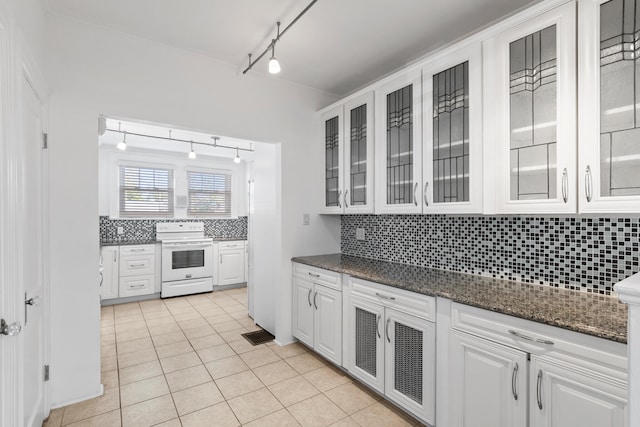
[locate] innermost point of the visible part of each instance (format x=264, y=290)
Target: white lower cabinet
x=509, y=372
x=390, y=344
x=317, y=310
x=563, y=396
x=231, y=263
x=488, y=383
x=109, y=274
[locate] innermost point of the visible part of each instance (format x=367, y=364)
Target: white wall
x=95, y=71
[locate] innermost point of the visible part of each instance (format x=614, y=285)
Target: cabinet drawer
x=139, y=285
x=320, y=276
x=137, y=265
x=543, y=340
x=236, y=244
x=135, y=250
x=418, y=305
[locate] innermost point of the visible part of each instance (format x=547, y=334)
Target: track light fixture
x=122, y=145
x=237, y=158
x=274, y=65
x=192, y=154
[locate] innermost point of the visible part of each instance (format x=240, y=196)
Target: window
x=146, y=192
x=209, y=193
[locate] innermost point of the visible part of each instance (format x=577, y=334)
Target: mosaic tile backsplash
x=589, y=254
x=145, y=229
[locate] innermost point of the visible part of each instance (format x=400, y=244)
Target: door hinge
x=46, y=372
x=45, y=141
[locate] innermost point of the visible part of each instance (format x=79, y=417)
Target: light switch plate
x=306, y=220
x=359, y=233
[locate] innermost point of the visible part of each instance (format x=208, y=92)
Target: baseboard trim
x=81, y=399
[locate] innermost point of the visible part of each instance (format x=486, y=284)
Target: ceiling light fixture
x=274, y=65
x=122, y=145
x=237, y=158
x=192, y=154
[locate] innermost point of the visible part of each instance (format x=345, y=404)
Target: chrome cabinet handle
x=136, y=265
x=539, y=389
x=137, y=286
x=314, y=275
x=136, y=250
x=588, y=183
x=346, y=200
x=386, y=330
x=385, y=297
x=378, y=325
x=115, y=259
x=565, y=185
x=514, y=379
x=220, y=258
x=415, y=199
x=339, y=194
x=309, y=297
x=315, y=296
x=528, y=338
x=426, y=200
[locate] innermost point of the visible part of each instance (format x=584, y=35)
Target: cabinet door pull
x=514, y=382
x=115, y=259
x=587, y=183
x=415, y=199
x=565, y=185
x=136, y=265
x=315, y=296
x=339, y=194
x=309, y=297
x=378, y=325
x=314, y=275
x=379, y=295
x=426, y=200
x=220, y=258
x=142, y=285
x=386, y=330
x=539, y=389
x=528, y=338
x=137, y=250
x=346, y=200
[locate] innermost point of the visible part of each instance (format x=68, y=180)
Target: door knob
x=10, y=329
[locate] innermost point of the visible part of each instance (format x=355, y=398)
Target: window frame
x=231, y=189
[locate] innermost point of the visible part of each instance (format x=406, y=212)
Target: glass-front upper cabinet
x=452, y=145
x=609, y=105
x=333, y=141
x=399, y=145
x=358, y=155
x=534, y=113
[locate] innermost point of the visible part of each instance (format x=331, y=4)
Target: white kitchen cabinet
x=452, y=143
x=488, y=383
x=390, y=344
x=398, y=124
x=533, y=112
x=348, y=155
x=609, y=155
x=564, y=396
x=563, y=379
x=137, y=270
x=317, y=310
x=109, y=274
x=231, y=262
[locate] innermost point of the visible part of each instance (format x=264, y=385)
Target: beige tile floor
x=182, y=362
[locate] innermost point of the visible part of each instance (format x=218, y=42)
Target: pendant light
x=237, y=158
x=122, y=145
x=274, y=65
x=192, y=154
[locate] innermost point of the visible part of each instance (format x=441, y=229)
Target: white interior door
x=33, y=334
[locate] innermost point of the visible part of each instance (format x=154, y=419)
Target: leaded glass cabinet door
x=332, y=172
x=399, y=145
x=534, y=114
x=410, y=359
x=609, y=106
x=452, y=148
x=358, y=155
x=365, y=355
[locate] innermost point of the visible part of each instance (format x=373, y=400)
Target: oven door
x=186, y=260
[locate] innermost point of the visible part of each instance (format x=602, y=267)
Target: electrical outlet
x=306, y=220
x=120, y=230
x=359, y=233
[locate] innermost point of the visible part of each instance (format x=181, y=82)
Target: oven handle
x=190, y=245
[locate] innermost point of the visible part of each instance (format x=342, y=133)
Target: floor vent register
x=258, y=337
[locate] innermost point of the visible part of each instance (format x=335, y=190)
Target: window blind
x=146, y=192
x=209, y=194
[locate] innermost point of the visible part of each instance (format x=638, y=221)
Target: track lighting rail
x=214, y=145
x=277, y=39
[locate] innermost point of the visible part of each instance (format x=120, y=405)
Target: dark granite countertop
x=598, y=315
x=152, y=241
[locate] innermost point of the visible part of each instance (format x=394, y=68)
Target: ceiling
x=338, y=46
